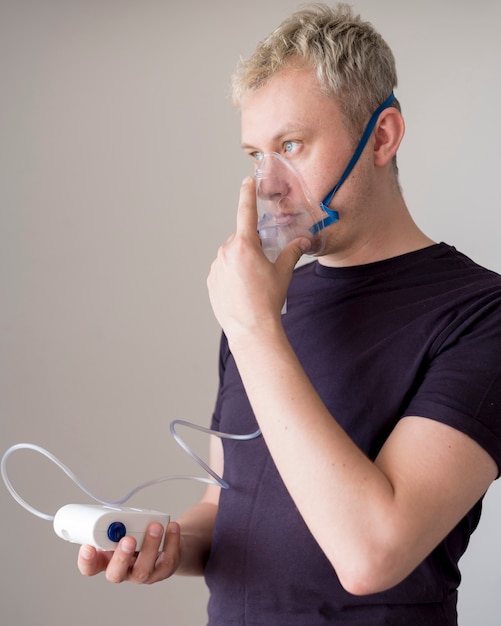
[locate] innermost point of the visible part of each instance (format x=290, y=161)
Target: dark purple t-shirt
x=418, y=334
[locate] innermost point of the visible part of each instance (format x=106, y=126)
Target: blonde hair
x=352, y=61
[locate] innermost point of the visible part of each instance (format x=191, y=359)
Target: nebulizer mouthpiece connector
x=285, y=207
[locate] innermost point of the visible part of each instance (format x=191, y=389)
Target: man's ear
x=390, y=129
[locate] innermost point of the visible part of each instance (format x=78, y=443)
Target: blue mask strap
x=333, y=216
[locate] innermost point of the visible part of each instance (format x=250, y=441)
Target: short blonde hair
x=352, y=61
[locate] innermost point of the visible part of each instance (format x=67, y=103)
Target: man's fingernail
x=85, y=553
x=128, y=546
x=155, y=531
x=305, y=245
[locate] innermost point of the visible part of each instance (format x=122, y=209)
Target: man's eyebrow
x=285, y=131
x=247, y=146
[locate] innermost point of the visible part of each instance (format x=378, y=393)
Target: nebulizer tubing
x=214, y=480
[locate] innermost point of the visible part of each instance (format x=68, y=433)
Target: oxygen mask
x=285, y=207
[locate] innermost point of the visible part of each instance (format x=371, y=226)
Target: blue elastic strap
x=333, y=216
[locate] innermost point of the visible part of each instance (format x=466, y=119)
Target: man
x=377, y=392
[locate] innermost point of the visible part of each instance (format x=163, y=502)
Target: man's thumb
x=291, y=254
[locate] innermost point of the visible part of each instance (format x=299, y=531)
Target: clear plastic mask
x=285, y=207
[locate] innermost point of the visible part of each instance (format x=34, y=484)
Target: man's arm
x=186, y=546
x=375, y=521
x=198, y=522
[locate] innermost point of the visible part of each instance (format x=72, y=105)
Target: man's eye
x=290, y=146
x=257, y=156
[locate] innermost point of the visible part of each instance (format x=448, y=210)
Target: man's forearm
x=196, y=537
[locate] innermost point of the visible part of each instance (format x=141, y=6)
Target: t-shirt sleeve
x=462, y=385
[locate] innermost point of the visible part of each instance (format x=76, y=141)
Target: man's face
x=291, y=116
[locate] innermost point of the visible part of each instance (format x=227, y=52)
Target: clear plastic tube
x=214, y=480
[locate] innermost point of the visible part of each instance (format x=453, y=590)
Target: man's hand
x=145, y=567
x=245, y=288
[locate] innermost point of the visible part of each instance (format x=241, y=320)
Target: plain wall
x=119, y=174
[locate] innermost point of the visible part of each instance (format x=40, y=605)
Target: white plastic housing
x=93, y=524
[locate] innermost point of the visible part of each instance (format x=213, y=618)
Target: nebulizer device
x=104, y=524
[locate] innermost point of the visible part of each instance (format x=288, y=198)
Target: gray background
x=119, y=174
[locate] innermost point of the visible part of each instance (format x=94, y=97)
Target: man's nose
x=271, y=186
